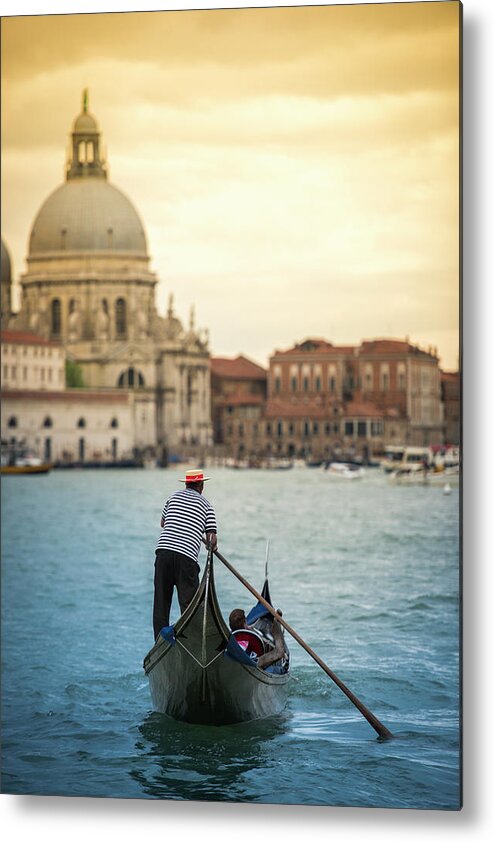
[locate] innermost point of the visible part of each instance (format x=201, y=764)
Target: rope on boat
x=199, y=663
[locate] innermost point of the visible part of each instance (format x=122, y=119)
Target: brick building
x=238, y=398
x=450, y=392
x=319, y=400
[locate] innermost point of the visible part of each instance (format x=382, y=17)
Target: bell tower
x=85, y=160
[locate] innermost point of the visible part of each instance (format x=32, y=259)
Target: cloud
x=280, y=159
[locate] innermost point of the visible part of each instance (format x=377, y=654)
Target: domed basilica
x=89, y=285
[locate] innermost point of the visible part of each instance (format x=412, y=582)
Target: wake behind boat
x=198, y=673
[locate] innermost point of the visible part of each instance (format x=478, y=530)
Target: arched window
x=56, y=317
x=47, y=422
x=121, y=317
x=130, y=379
x=81, y=422
x=12, y=422
x=114, y=423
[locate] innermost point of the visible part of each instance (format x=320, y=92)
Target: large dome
x=87, y=215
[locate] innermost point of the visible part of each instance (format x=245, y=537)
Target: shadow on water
x=179, y=761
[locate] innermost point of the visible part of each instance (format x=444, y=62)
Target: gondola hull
x=193, y=679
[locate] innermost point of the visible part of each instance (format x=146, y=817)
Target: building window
x=293, y=384
x=291, y=429
x=306, y=384
x=318, y=384
x=14, y=372
x=277, y=384
x=56, y=318
x=47, y=422
x=332, y=384
x=121, y=317
x=348, y=428
x=315, y=427
x=376, y=428
x=362, y=429
x=327, y=429
x=81, y=422
x=336, y=429
x=279, y=428
x=241, y=430
x=402, y=381
x=130, y=379
x=306, y=428
x=114, y=423
x=12, y=422
x=268, y=429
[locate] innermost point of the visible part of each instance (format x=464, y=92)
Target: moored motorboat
x=419, y=475
x=23, y=463
x=198, y=673
x=344, y=470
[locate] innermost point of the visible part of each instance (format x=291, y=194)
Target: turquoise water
x=366, y=572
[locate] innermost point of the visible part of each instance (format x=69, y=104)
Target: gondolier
x=185, y=518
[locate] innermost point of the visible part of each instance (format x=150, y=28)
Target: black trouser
x=170, y=569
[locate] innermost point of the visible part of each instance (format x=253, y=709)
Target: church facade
x=89, y=286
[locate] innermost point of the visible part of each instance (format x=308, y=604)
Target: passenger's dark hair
x=237, y=619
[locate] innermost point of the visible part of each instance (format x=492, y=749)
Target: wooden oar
x=371, y=719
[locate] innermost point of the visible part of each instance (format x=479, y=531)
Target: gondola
x=198, y=673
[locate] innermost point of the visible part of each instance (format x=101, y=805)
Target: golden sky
x=296, y=169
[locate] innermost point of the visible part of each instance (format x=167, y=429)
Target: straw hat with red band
x=194, y=476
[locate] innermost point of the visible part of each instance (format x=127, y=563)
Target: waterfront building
x=76, y=426
x=450, y=391
x=326, y=400
x=31, y=363
x=396, y=374
x=89, y=286
x=238, y=397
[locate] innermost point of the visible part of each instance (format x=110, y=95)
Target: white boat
x=418, y=475
x=393, y=455
x=344, y=470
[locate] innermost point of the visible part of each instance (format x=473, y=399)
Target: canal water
x=366, y=572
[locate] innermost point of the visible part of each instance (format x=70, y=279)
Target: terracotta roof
x=67, y=395
x=24, y=337
x=451, y=376
x=392, y=346
x=239, y=368
x=315, y=346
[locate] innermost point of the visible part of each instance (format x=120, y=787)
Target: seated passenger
x=237, y=620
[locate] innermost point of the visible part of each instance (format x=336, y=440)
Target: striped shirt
x=187, y=516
